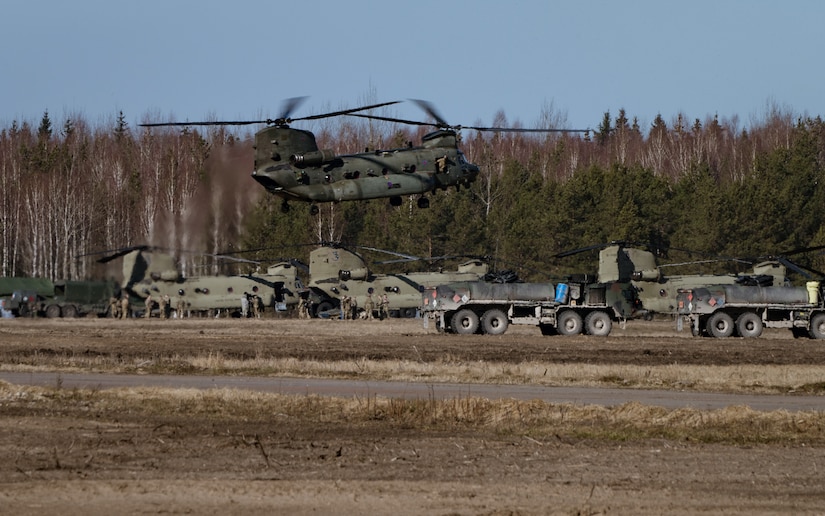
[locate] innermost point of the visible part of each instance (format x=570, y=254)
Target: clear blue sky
x=206, y=59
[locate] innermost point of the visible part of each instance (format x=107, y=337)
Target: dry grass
x=543, y=422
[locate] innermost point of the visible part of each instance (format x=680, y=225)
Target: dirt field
x=151, y=451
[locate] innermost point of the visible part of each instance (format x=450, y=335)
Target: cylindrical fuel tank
x=513, y=291
x=746, y=294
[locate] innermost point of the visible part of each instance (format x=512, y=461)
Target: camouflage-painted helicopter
x=289, y=164
x=336, y=271
x=150, y=271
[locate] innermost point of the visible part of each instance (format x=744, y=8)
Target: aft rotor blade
x=522, y=130
x=430, y=109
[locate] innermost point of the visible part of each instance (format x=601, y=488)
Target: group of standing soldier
x=119, y=308
x=251, y=305
x=349, y=307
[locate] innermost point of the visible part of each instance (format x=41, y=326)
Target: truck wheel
x=749, y=325
x=53, y=311
x=407, y=313
x=817, y=330
x=569, y=323
x=465, y=322
x=720, y=325
x=70, y=311
x=494, y=322
x=598, y=323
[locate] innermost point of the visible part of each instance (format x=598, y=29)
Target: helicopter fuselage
x=289, y=164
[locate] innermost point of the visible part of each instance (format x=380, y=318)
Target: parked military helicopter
x=149, y=271
x=289, y=164
x=336, y=271
x=657, y=291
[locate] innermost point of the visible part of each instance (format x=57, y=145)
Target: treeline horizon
x=70, y=192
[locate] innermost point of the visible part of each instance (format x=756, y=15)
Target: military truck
x=38, y=296
x=745, y=310
x=568, y=308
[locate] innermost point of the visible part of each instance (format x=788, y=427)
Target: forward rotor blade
x=289, y=106
x=229, y=122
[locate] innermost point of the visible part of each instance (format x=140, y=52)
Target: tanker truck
x=568, y=308
x=745, y=310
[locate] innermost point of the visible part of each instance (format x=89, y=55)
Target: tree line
x=71, y=192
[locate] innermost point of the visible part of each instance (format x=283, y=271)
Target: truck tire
x=817, y=330
x=598, y=323
x=720, y=325
x=494, y=322
x=569, y=323
x=53, y=311
x=464, y=322
x=70, y=311
x=749, y=325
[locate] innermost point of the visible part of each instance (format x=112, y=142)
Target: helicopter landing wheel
x=423, y=202
x=313, y=209
x=284, y=207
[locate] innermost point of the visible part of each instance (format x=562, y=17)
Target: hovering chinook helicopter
x=289, y=164
x=148, y=271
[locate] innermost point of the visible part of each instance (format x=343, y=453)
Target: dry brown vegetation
x=230, y=451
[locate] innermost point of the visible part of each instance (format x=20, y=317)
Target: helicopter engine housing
x=312, y=159
x=360, y=273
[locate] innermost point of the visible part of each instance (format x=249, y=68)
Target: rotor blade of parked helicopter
x=794, y=267
x=803, y=250
x=571, y=252
x=698, y=262
x=432, y=259
x=110, y=251
x=117, y=253
x=406, y=257
x=233, y=259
